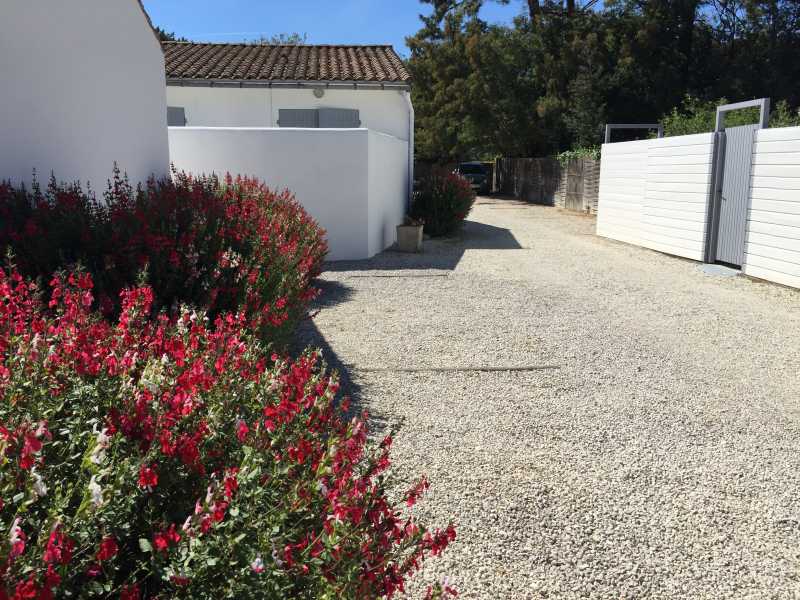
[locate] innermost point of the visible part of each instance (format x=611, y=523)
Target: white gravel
x=655, y=453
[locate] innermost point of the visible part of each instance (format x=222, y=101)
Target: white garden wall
x=387, y=189
x=772, y=245
x=83, y=86
x=654, y=193
x=353, y=182
x=385, y=111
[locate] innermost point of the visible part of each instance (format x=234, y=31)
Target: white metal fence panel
x=654, y=193
x=674, y=216
x=623, y=177
x=772, y=247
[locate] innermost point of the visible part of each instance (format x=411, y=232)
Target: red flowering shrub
x=442, y=202
x=161, y=457
x=221, y=246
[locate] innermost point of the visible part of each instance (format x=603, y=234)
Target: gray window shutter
x=176, y=116
x=339, y=118
x=298, y=117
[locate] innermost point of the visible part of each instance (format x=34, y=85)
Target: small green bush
x=442, y=202
x=783, y=116
x=591, y=152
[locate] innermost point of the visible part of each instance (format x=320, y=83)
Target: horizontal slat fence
x=772, y=243
x=654, y=193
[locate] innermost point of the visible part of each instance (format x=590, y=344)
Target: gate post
x=714, y=197
x=761, y=103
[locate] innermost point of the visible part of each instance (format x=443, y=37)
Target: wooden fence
x=573, y=185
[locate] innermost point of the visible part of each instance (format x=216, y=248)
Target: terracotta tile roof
x=256, y=62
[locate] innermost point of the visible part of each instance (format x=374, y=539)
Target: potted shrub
x=409, y=235
x=443, y=200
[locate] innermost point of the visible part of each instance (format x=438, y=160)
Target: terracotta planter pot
x=409, y=238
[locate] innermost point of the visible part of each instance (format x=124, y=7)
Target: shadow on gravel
x=331, y=293
x=309, y=335
x=439, y=253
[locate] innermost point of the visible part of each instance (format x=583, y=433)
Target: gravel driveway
x=646, y=443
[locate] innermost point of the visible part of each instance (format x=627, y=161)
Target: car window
x=472, y=169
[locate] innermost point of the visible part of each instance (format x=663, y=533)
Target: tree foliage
x=697, y=116
x=563, y=68
x=168, y=36
x=283, y=39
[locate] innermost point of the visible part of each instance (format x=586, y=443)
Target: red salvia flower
x=108, y=549
x=148, y=478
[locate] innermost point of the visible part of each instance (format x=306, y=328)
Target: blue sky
x=324, y=21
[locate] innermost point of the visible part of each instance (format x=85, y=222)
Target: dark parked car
x=477, y=174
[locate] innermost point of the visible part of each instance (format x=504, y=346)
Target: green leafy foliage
x=783, y=116
x=283, y=39
x=168, y=36
x=552, y=79
x=698, y=116
x=592, y=152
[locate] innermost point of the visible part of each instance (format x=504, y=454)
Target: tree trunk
x=533, y=9
x=686, y=21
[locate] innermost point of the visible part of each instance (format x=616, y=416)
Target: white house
x=334, y=124
x=82, y=88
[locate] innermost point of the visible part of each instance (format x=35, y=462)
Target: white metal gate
x=733, y=197
x=730, y=195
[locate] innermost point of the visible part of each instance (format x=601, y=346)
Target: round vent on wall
x=319, y=92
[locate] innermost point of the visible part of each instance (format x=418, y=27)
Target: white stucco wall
x=385, y=111
x=83, y=86
x=388, y=177
x=326, y=169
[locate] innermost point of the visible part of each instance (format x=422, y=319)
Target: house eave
x=255, y=83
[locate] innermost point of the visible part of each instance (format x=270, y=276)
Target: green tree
x=283, y=39
x=549, y=81
x=168, y=36
x=698, y=116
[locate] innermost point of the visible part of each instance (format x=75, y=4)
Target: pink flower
x=242, y=430
x=148, y=478
x=257, y=565
x=17, y=538
x=59, y=547
x=108, y=549
x=415, y=492
x=164, y=539
x=130, y=592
